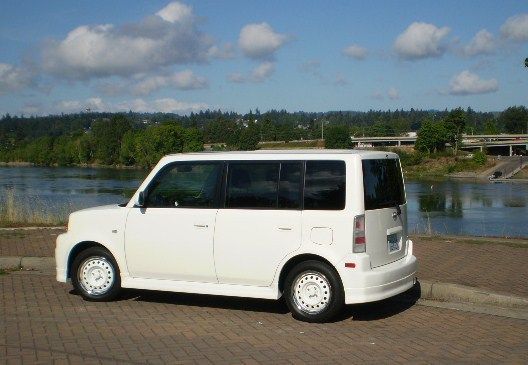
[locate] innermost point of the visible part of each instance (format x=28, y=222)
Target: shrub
x=479, y=158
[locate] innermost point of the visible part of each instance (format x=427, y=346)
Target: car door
x=260, y=223
x=171, y=237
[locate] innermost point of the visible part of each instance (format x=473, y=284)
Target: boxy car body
x=238, y=223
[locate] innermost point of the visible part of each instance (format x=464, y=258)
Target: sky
x=63, y=56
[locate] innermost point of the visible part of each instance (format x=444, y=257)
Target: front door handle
x=285, y=228
x=201, y=225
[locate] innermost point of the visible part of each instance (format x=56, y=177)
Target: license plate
x=393, y=241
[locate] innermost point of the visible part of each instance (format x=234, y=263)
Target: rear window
x=382, y=183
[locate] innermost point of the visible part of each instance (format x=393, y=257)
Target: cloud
x=262, y=71
x=183, y=80
x=167, y=38
x=377, y=95
x=14, y=78
x=259, y=74
x=356, y=52
x=260, y=41
x=421, y=40
x=466, y=83
x=223, y=52
x=393, y=93
x=164, y=105
x=516, y=28
x=482, y=43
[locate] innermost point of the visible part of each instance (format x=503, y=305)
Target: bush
x=480, y=158
x=337, y=137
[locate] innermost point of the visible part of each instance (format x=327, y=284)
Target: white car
x=321, y=228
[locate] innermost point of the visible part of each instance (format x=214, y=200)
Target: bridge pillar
x=481, y=148
x=511, y=150
x=399, y=143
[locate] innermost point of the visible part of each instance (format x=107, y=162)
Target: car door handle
x=201, y=225
x=285, y=228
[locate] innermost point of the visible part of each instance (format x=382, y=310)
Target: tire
x=313, y=292
x=95, y=275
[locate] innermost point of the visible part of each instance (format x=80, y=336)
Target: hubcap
x=311, y=292
x=96, y=275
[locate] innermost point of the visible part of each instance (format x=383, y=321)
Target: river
x=458, y=207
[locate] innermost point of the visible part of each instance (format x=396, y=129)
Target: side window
x=324, y=185
x=252, y=185
x=185, y=185
x=290, y=185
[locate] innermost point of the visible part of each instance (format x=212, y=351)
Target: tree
x=107, y=136
x=249, y=138
x=515, y=119
x=432, y=137
x=455, y=123
x=156, y=142
x=337, y=137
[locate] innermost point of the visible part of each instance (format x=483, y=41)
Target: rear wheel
x=95, y=275
x=313, y=292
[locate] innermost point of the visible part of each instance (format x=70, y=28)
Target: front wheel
x=313, y=292
x=95, y=275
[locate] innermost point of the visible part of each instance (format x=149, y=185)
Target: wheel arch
x=292, y=262
x=78, y=248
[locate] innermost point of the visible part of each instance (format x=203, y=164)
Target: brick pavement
x=494, y=267
x=41, y=321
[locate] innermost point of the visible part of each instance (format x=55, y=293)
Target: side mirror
x=141, y=199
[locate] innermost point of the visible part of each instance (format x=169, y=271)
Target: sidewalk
x=474, y=262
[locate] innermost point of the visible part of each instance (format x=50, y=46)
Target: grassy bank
x=19, y=211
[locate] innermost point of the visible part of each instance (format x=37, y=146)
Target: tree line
x=141, y=139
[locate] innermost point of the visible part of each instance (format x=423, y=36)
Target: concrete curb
x=448, y=292
x=46, y=264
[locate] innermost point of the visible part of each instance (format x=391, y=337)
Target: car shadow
x=356, y=312
x=210, y=301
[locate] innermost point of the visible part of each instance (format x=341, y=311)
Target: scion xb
x=320, y=228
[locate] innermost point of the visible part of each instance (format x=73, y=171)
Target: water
x=457, y=207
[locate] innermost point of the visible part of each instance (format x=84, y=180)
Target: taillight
x=360, y=241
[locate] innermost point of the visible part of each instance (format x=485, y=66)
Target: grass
x=19, y=212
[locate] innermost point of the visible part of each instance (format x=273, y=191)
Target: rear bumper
x=369, y=285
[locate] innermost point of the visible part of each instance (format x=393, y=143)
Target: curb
x=448, y=292
x=46, y=264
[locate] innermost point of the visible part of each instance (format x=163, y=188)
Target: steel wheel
x=96, y=275
x=311, y=292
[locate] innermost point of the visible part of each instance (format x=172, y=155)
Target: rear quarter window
x=382, y=183
x=324, y=185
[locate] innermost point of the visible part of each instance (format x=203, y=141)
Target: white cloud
x=482, y=43
x=466, y=83
x=13, y=78
x=516, y=28
x=259, y=40
x=184, y=80
x=171, y=37
x=259, y=74
x=421, y=40
x=176, y=12
x=377, y=95
x=223, y=52
x=164, y=105
x=262, y=71
x=356, y=52
x=393, y=93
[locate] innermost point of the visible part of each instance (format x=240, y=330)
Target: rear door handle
x=201, y=225
x=285, y=228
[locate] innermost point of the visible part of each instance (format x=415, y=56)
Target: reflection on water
x=445, y=207
x=467, y=207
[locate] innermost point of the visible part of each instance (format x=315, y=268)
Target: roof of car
x=365, y=153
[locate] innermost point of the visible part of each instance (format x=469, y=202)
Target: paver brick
x=44, y=321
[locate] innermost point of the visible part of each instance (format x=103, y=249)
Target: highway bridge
x=495, y=144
